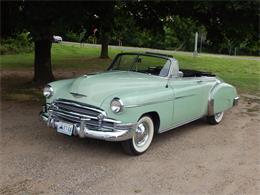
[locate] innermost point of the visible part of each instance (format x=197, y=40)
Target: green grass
x=242, y=73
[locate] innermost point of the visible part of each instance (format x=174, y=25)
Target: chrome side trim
x=209, y=79
x=148, y=103
x=181, y=124
x=184, y=96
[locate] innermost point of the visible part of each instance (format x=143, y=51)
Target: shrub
x=20, y=43
x=71, y=36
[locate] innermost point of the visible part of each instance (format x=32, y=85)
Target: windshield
x=142, y=63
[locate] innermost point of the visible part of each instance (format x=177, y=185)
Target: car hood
x=95, y=88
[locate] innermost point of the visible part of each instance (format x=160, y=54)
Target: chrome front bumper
x=120, y=132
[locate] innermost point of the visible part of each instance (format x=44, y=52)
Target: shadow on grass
x=17, y=85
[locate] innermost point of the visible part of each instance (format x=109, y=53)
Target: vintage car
x=57, y=39
x=139, y=95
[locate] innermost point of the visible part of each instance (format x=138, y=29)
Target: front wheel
x=216, y=118
x=142, y=138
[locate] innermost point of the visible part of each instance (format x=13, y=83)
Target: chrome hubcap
x=219, y=116
x=141, y=134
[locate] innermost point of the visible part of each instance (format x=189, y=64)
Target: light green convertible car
x=140, y=94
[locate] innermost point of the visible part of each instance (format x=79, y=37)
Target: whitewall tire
x=142, y=138
x=216, y=118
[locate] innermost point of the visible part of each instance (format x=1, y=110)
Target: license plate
x=65, y=128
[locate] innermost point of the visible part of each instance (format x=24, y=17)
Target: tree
x=139, y=24
x=106, y=13
x=229, y=24
x=126, y=29
x=180, y=32
x=10, y=19
x=43, y=20
x=46, y=18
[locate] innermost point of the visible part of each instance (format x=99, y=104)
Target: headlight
x=48, y=91
x=116, y=105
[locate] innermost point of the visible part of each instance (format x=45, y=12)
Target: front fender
x=137, y=103
x=221, y=98
x=60, y=88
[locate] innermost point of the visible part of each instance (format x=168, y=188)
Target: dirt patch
x=194, y=159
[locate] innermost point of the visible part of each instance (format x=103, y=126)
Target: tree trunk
x=107, y=18
x=42, y=62
x=104, y=45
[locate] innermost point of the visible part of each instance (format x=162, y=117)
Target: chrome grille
x=74, y=112
x=77, y=109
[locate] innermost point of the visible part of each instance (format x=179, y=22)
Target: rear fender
x=221, y=98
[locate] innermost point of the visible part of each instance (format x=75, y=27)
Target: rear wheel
x=216, y=118
x=142, y=138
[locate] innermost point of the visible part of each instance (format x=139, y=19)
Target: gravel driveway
x=193, y=159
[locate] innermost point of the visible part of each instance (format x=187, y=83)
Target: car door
x=190, y=98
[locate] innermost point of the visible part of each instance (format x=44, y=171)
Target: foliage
x=21, y=43
x=127, y=30
x=230, y=25
x=43, y=20
x=242, y=73
x=180, y=33
x=71, y=36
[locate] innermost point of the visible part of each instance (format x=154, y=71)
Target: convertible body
x=110, y=105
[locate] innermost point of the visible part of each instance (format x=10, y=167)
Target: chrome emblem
x=100, y=117
x=77, y=95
